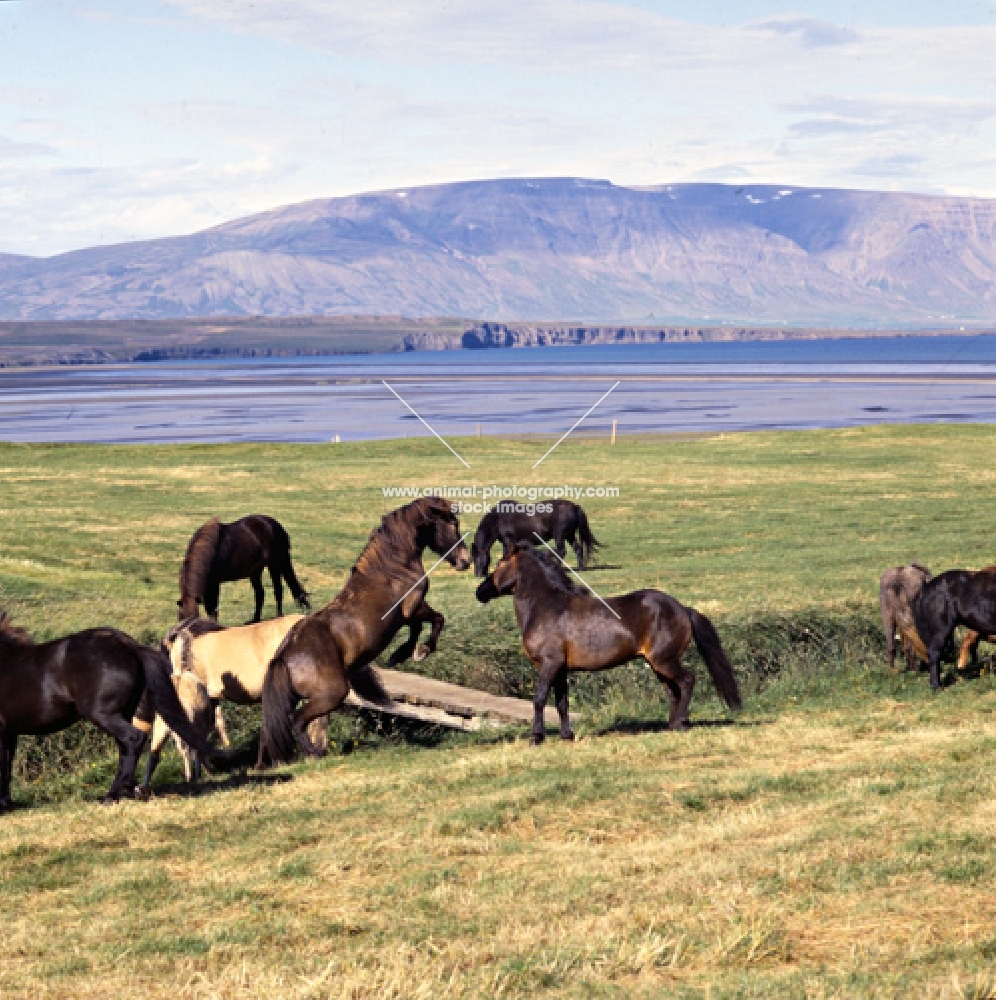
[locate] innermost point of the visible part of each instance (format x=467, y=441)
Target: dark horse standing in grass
x=564, y=629
x=102, y=675
x=219, y=553
x=957, y=597
x=329, y=652
x=563, y=522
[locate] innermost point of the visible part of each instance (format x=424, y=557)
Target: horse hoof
x=109, y=800
x=568, y=736
x=421, y=652
x=142, y=793
x=536, y=739
x=6, y=805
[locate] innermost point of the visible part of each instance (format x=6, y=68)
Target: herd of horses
x=924, y=610
x=303, y=666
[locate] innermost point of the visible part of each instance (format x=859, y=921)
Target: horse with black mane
x=329, y=652
x=957, y=597
x=562, y=521
x=219, y=553
x=565, y=629
x=100, y=674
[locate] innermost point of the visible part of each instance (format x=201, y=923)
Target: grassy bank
x=834, y=842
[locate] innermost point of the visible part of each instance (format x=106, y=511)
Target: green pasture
x=834, y=840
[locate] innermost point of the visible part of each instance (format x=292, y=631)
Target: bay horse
x=101, y=675
x=229, y=664
x=565, y=521
x=957, y=597
x=219, y=553
x=565, y=629
x=330, y=651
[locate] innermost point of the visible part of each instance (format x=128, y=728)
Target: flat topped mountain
x=549, y=249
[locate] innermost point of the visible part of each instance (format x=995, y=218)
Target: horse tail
x=921, y=634
x=365, y=682
x=588, y=541
x=720, y=669
x=286, y=568
x=276, y=741
x=159, y=684
x=911, y=639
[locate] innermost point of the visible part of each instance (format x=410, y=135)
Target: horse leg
x=219, y=725
x=560, y=694
x=329, y=686
x=278, y=589
x=548, y=671
x=130, y=742
x=408, y=647
x=8, y=744
x=212, y=595
x=890, y=643
x=436, y=622
x=160, y=733
x=969, y=649
x=934, y=652
x=679, y=683
x=318, y=733
x=257, y=588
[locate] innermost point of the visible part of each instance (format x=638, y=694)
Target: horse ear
x=505, y=572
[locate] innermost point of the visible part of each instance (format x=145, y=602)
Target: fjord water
x=740, y=385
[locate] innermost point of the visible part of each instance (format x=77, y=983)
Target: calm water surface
x=666, y=387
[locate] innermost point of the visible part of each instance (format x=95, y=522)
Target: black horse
x=565, y=629
x=219, y=553
x=102, y=675
x=957, y=597
x=565, y=521
x=329, y=652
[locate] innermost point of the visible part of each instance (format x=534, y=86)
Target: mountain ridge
x=549, y=249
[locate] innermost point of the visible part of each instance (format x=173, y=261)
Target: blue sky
x=136, y=119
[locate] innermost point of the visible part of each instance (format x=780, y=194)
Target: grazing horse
x=896, y=590
x=970, y=641
x=957, y=597
x=219, y=553
x=329, y=652
x=230, y=664
x=101, y=675
x=565, y=629
x=564, y=521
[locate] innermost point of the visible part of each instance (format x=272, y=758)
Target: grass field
x=835, y=840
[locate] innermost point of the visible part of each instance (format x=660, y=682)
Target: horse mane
x=394, y=539
x=921, y=568
x=12, y=632
x=199, y=559
x=554, y=571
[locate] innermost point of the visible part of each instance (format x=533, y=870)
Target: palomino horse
x=563, y=522
x=219, y=553
x=564, y=629
x=101, y=675
x=230, y=663
x=957, y=597
x=330, y=651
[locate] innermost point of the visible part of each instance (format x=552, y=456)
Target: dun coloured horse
x=957, y=597
x=564, y=629
x=230, y=663
x=219, y=553
x=564, y=522
x=99, y=674
x=329, y=652
x=897, y=589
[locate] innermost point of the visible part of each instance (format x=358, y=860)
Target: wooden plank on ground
x=425, y=699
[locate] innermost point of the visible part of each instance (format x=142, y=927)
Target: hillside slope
x=556, y=248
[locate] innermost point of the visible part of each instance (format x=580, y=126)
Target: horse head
x=440, y=531
x=502, y=581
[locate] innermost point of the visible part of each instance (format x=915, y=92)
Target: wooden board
x=425, y=699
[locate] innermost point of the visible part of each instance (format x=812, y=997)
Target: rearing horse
x=564, y=629
x=219, y=553
x=329, y=652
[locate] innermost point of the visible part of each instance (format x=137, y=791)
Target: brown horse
x=897, y=589
x=565, y=629
x=101, y=675
x=329, y=652
x=219, y=553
